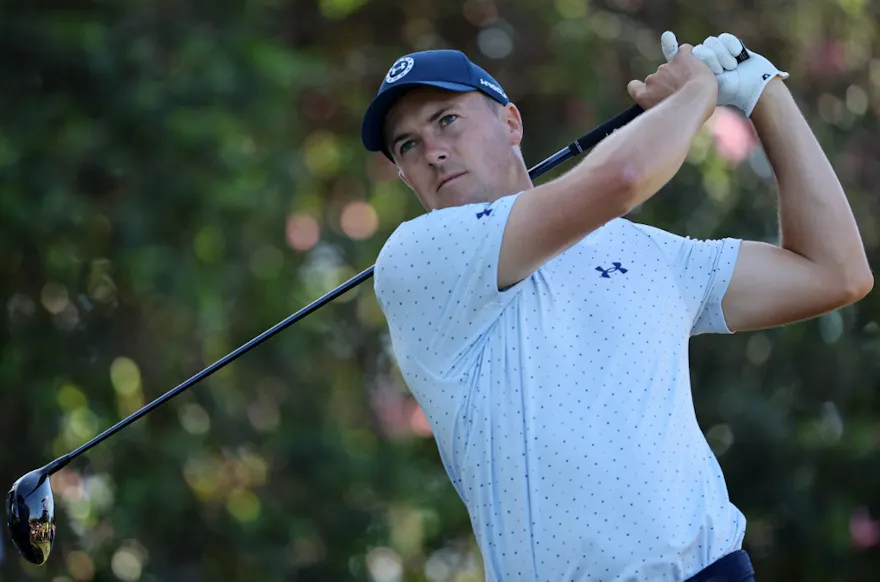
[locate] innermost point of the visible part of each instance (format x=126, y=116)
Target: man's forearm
x=624, y=170
x=815, y=217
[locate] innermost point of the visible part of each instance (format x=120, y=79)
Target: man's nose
x=435, y=151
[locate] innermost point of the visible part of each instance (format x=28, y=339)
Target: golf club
x=30, y=507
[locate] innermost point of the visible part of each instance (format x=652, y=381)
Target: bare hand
x=682, y=69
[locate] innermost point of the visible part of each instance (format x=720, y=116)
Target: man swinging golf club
x=546, y=337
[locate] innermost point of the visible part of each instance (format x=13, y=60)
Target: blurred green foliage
x=177, y=177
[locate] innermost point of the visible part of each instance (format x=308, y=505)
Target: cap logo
x=399, y=70
x=493, y=86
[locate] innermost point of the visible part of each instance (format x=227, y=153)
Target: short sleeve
x=703, y=269
x=436, y=280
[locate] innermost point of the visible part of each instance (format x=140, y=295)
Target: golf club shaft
x=586, y=141
x=575, y=148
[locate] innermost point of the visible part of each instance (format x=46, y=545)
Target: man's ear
x=513, y=120
x=402, y=177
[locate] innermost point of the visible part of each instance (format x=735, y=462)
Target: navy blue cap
x=445, y=69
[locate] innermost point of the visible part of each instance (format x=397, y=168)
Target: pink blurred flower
x=733, y=134
x=864, y=531
x=399, y=413
x=418, y=422
x=827, y=59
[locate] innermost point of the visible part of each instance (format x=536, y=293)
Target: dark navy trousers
x=734, y=567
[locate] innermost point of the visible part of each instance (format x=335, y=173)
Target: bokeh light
x=831, y=108
x=82, y=424
x=68, y=485
x=302, y=231
x=99, y=490
x=571, y=9
x=857, y=100
x=126, y=565
x=720, y=438
x=80, y=566
x=70, y=397
x=454, y=564
x=864, y=529
x=125, y=376
x=606, y=25
x=101, y=286
x=194, y=419
x=202, y=475
x=359, y=220
x=243, y=505
x=68, y=319
x=263, y=413
x=384, y=565
x=495, y=42
x=339, y=8
x=480, y=12
x=54, y=298
x=758, y=349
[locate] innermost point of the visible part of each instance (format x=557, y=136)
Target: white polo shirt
x=562, y=406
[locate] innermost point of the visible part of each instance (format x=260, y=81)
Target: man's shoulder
x=423, y=231
x=428, y=219
x=406, y=235
x=413, y=240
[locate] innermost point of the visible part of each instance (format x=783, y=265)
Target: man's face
x=455, y=148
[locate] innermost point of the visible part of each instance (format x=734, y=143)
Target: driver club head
x=30, y=515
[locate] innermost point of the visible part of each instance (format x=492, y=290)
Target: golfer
x=546, y=336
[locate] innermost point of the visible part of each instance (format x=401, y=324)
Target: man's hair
x=493, y=104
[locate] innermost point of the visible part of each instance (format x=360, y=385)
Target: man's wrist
x=703, y=91
x=774, y=96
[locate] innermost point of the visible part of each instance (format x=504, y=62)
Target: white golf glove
x=740, y=81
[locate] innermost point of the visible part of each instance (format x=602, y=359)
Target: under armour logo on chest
x=617, y=268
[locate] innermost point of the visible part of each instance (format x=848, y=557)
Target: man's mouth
x=450, y=179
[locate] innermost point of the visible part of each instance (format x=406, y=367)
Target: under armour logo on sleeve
x=618, y=268
x=484, y=212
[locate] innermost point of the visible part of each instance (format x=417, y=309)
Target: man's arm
x=820, y=264
x=624, y=170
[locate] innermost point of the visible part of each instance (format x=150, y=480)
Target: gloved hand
x=740, y=81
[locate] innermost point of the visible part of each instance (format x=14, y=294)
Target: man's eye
x=406, y=146
x=447, y=119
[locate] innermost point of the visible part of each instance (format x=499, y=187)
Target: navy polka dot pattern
x=562, y=406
